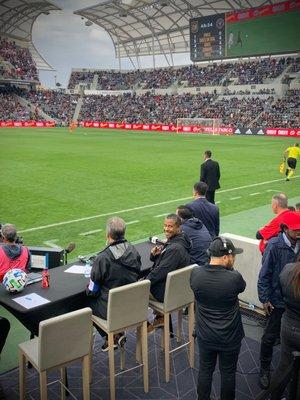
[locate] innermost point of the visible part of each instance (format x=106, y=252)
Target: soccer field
x=58, y=187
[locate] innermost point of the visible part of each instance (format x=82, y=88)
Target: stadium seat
x=61, y=340
x=178, y=295
x=127, y=310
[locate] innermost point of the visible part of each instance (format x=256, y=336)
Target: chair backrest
x=128, y=305
x=178, y=291
x=65, y=338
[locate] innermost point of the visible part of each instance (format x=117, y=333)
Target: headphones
x=224, y=243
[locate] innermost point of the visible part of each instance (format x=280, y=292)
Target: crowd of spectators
x=11, y=108
x=20, y=58
x=256, y=71
x=147, y=108
x=243, y=72
x=57, y=105
x=284, y=113
x=233, y=111
x=150, y=108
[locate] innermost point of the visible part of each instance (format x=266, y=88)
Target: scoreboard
x=269, y=29
x=207, y=37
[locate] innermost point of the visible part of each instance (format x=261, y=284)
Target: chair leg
x=122, y=358
x=191, y=338
x=91, y=358
x=138, y=348
x=22, y=369
x=111, y=358
x=167, y=345
x=145, y=356
x=179, y=327
x=43, y=385
x=86, y=377
x=63, y=378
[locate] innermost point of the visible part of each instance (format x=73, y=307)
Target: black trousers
x=210, y=196
x=290, y=341
x=4, y=329
x=271, y=334
x=227, y=364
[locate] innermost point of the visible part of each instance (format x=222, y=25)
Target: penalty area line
x=37, y=228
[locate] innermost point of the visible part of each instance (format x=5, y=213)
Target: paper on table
x=76, y=269
x=31, y=300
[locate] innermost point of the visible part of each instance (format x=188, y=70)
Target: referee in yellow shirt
x=291, y=155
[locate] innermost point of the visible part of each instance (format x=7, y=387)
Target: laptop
x=33, y=277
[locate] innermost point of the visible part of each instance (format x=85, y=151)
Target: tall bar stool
x=127, y=309
x=178, y=295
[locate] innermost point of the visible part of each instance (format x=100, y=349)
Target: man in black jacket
x=210, y=174
x=117, y=265
x=219, y=327
x=174, y=254
x=197, y=233
x=207, y=212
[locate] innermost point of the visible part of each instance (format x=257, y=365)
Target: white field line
x=160, y=215
x=37, y=228
x=217, y=202
x=254, y=194
x=51, y=243
x=272, y=190
x=90, y=232
x=132, y=222
x=235, y=198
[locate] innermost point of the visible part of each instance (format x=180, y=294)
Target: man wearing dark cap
x=281, y=250
x=219, y=327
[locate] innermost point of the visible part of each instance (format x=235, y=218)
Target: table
x=66, y=293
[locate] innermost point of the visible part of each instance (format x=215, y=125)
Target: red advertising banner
x=282, y=132
x=27, y=124
x=192, y=129
x=262, y=11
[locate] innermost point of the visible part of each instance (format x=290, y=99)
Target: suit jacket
x=208, y=213
x=210, y=174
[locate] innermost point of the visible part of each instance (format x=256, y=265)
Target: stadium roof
x=17, y=18
x=151, y=27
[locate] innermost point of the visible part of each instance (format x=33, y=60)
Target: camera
x=19, y=239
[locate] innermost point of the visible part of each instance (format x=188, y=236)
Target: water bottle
x=45, y=278
x=87, y=270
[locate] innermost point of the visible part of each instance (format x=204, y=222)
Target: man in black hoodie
x=117, y=265
x=174, y=254
x=197, y=233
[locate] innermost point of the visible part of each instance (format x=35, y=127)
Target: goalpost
x=198, y=125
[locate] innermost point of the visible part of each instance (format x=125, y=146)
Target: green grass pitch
x=74, y=182
x=268, y=35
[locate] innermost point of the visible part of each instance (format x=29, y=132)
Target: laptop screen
x=40, y=261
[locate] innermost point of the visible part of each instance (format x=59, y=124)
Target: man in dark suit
x=210, y=174
x=207, y=212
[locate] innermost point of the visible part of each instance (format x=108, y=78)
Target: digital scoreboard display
x=269, y=29
x=207, y=37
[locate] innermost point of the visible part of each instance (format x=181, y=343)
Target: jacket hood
x=125, y=253
x=194, y=223
x=183, y=239
x=12, y=250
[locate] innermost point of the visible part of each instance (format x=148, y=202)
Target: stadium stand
x=145, y=108
x=284, y=112
x=214, y=74
x=57, y=105
x=11, y=108
x=21, y=63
